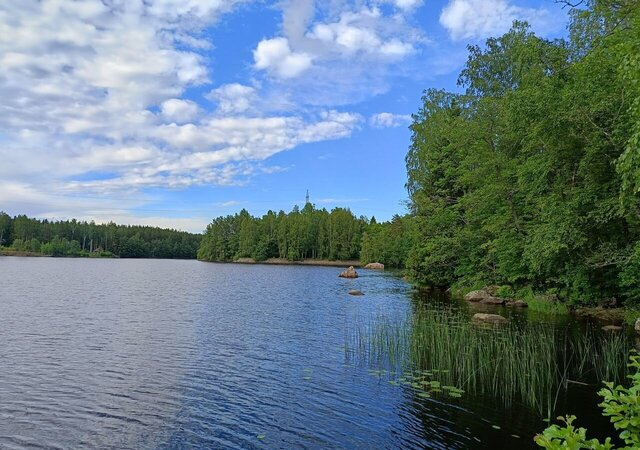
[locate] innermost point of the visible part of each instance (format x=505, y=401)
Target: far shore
x=5, y=252
x=302, y=262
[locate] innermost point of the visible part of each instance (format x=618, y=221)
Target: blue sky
x=171, y=112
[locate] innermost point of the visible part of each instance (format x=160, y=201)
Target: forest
x=300, y=234
x=74, y=238
x=529, y=175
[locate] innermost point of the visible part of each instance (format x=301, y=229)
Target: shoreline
x=286, y=262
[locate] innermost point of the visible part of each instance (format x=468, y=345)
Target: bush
x=505, y=291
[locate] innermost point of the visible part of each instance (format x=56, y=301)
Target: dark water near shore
x=159, y=354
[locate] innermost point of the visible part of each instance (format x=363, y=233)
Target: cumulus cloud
x=407, y=5
x=388, y=120
x=179, y=110
x=93, y=105
x=361, y=33
x=355, y=32
x=233, y=98
x=275, y=55
x=471, y=19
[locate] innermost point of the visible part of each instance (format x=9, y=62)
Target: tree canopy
x=530, y=176
x=300, y=234
x=78, y=238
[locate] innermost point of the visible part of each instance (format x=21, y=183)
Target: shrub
x=620, y=404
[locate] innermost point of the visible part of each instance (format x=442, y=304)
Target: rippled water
x=159, y=354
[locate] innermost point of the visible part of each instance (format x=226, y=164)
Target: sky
x=172, y=112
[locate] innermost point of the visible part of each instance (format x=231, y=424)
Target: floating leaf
x=495, y=427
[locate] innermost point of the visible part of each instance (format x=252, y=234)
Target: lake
x=163, y=354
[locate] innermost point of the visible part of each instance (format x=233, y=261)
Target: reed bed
x=530, y=363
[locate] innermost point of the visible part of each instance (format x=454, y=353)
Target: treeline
x=530, y=176
x=300, y=234
x=74, y=238
x=390, y=242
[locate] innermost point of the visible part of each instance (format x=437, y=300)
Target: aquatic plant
x=529, y=363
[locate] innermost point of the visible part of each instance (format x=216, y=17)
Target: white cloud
x=387, y=120
x=471, y=19
x=92, y=104
x=178, y=110
x=275, y=56
x=360, y=32
x=361, y=35
x=407, y=5
x=229, y=203
x=234, y=98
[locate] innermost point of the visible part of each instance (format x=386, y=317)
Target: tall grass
x=529, y=363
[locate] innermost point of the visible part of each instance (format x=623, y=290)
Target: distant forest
x=302, y=233
x=74, y=238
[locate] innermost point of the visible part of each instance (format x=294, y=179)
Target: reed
x=529, y=363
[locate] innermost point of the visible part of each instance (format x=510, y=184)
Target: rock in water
x=349, y=273
x=517, y=303
x=493, y=301
x=355, y=292
x=493, y=319
x=375, y=265
x=476, y=296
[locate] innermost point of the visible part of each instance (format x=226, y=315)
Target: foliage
x=620, y=404
x=569, y=437
x=389, y=242
x=74, y=238
x=517, y=180
x=307, y=233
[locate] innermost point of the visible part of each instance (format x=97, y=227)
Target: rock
x=493, y=301
x=611, y=328
x=349, y=273
x=375, y=265
x=476, y=296
x=636, y=326
x=603, y=315
x=493, y=319
x=517, y=303
x=355, y=292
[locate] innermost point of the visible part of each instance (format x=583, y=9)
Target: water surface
x=162, y=354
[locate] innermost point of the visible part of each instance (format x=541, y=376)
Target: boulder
x=476, y=296
x=493, y=301
x=349, y=273
x=636, y=326
x=611, y=328
x=493, y=319
x=517, y=303
x=375, y=265
x=355, y=292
